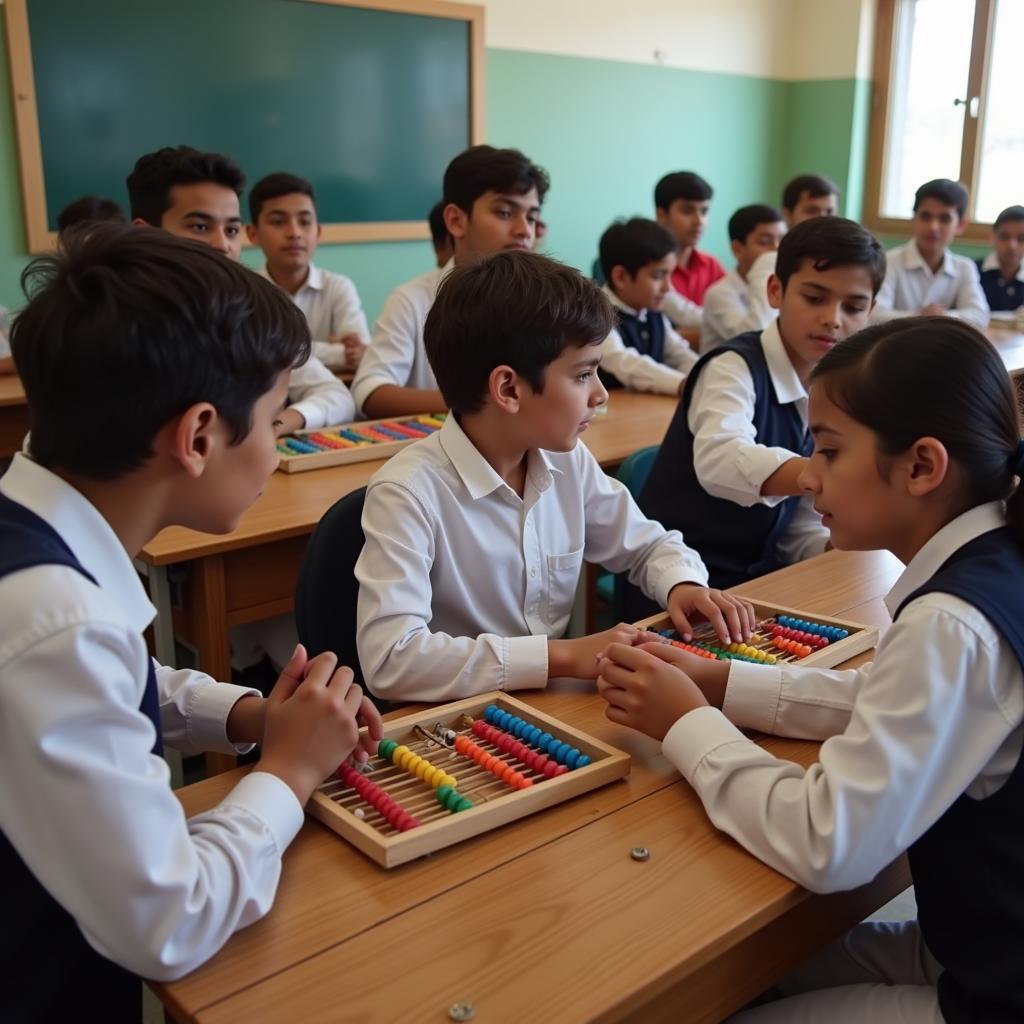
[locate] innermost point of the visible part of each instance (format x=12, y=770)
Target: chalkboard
x=369, y=100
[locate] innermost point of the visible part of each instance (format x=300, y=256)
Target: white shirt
x=319, y=396
x=939, y=713
x=910, y=285
x=396, y=354
x=84, y=802
x=760, y=312
x=683, y=312
x=638, y=371
x=727, y=311
x=729, y=461
x=462, y=582
x=331, y=306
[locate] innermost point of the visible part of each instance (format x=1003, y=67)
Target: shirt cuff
x=752, y=695
x=363, y=387
x=695, y=736
x=755, y=463
x=267, y=798
x=525, y=661
x=208, y=717
x=312, y=413
x=673, y=577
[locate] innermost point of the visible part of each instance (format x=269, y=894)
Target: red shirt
x=699, y=274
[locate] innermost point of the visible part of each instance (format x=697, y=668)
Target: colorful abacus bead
x=530, y=734
x=815, y=640
x=751, y=653
x=701, y=652
x=791, y=646
x=533, y=760
x=402, y=756
x=393, y=813
x=452, y=800
x=502, y=769
x=832, y=633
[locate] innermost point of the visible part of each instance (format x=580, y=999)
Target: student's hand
x=288, y=422
x=578, y=658
x=246, y=720
x=312, y=722
x=732, y=618
x=933, y=309
x=354, y=349
x=712, y=676
x=644, y=692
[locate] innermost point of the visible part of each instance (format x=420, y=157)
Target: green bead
x=386, y=748
x=442, y=793
x=463, y=804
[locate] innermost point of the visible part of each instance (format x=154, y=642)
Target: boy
x=88, y=208
x=923, y=275
x=642, y=351
x=284, y=225
x=753, y=230
x=195, y=195
x=492, y=202
x=726, y=473
x=439, y=237
x=476, y=535
x=1002, y=273
x=101, y=870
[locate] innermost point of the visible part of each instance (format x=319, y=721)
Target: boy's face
x=764, y=238
x=647, y=290
x=686, y=219
x=808, y=206
x=554, y=418
x=206, y=212
x=287, y=231
x=819, y=308
x=935, y=226
x=1008, y=240
x=498, y=221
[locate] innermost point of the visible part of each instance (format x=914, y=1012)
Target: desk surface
x=11, y=390
x=548, y=918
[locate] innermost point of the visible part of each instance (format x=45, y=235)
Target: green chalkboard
x=370, y=105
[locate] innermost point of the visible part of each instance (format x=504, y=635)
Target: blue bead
x=535, y=734
x=545, y=741
x=489, y=712
x=582, y=761
x=561, y=751
x=843, y=634
x=572, y=758
x=501, y=719
x=519, y=727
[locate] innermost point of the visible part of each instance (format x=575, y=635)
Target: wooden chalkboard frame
x=30, y=150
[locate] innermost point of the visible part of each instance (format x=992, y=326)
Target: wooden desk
x=548, y=918
x=250, y=573
x=13, y=415
x=1009, y=342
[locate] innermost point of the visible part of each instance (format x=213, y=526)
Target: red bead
x=560, y=769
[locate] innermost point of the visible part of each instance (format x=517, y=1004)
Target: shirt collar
x=785, y=380
x=85, y=531
x=314, y=279
x=953, y=536
x=640, y=314
x=915, y=261
x=991, y=262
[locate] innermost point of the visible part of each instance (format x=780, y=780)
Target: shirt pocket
x=563, y=576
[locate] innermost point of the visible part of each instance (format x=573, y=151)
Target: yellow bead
x=430, y=776
x=446, y=780
x=423, y=769
x=406, y=760
x=397, y=753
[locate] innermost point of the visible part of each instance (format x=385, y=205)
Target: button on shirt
x=85, y=803
x=396, y=354
x=937, y=714
x=462, y=582
x=729, y=461
x=910, y=285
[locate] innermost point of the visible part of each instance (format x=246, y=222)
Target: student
x=284, y=224
x=439, y=237
x=753, y=230
x=917, y=447
x=86, y=209
x=195, y=195
x=642, y=351
x=492, y=202
x=475, y=536
x=1002, y=272
x=103, y=873
x=924, y=276
x=727, y=473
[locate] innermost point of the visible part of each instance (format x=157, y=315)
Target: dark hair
x=281, y=183
x=748, y=218
x=438, y=229
x=155, y=174
x=482, y=169
x=1011, y=213
x=126, y=327
x=88, y=208
x=933, y=376
x=829, y=242
x=681, y=185
x=633, y=244
x=516, y=308
x=952, y=193
x=813, y=184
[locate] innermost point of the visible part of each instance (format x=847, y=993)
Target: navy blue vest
x=968, y=868
x=647, y=336
x=1001, y=295
x=51, y=972
x=736, y=543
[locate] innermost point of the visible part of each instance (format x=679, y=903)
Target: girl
x=917, y=450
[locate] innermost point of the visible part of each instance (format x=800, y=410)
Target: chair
x=327, y=590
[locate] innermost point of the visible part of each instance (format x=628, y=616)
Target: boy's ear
x=962, y=226
x=192, y=438
x=252, y=234
x=455, y=220
x=505, y=389
x=738, y=249
x=619, y=277
x=661, y=215
x=775, y=291
x=927, y=466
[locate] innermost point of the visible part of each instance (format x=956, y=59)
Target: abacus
x=353, y=442
x=456, y=770
x=783, y=636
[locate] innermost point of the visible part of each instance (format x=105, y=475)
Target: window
x=948, y=81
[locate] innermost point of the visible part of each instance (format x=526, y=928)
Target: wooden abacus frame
x=334, y=803
x=862, y=638
x=301, y=462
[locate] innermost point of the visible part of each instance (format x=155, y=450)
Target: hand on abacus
x=710, y=675
x=732, y=618
x=645, y=692
x=578, y=658
x=354, y=349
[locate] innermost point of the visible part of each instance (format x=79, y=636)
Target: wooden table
x=548, y=918
x=13, y=415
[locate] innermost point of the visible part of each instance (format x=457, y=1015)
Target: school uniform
x=682, y=313
x=1001, y=295
x=693, y=278
x=396, y=354
x=319, y=396
x=923, y=754
x=102, y=872
x=643, y=352
x=910, y=285
x=742, y=415
x=730, y=311
x=462, y=582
